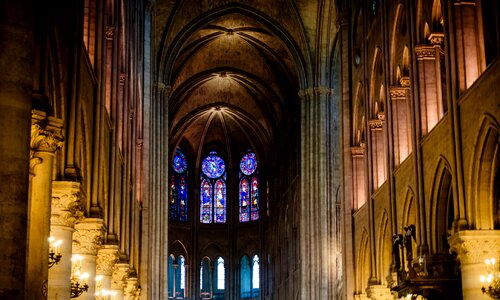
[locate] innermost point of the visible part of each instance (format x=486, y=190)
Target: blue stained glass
x=244, y=205
x=220, y=202
x=206, y=202
x=180, y=163
x=255, y=199
x=248, y=164
x=213, y=166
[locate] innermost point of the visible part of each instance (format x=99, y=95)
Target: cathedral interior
x=250, y=149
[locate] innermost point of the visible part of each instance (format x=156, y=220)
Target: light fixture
x=491, y=280
x=100, y=293
x=78, y=279
x=54, y=251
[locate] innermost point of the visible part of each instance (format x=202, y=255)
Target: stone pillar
x=401, y=130
x=46, y=138
x=358, y=176
x=132, y=291
x=431, y=69
x=316, y=238
x=377, y=150
x=469, y=42
x=107, y=257
x=16, y=80
x=473, y=247
x=67, y=209
x=87, y=240
x=119, y=280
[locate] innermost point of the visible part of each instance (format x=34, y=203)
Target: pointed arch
x=384, y=243
x=441, y=202
x=409, y=215
x=364, y=263
x=483, y=206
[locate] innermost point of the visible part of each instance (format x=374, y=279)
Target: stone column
x=377, y=151
x=67, y=208
x=87, y=240
x=46, y=138
x=107, y=257
x=119, y=280
x=16, y=80
x=317, y=243
x=473, y=247
x=358, y=176
x=430, y=63
x=400, y=122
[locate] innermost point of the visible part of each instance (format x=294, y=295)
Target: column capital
x=46, y=133
x=110, y=32
x=317, y=90
x=474, y=246
x=424, y=52
x=163, y=88
x=119, y=277
x=436, y=38
x=107, y=257
x=358, y=151
x=375, y=124
x=88, y=237
x=132, y=289
x=398, y=92
x=68, y=203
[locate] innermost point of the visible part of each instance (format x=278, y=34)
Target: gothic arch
x=376, y=80
x=384, y=242
x=483, y=201
x=177, y=249
x=410, y=211
x=358, y=120
x=363, y=263
x=442, y=212
x=395, y=40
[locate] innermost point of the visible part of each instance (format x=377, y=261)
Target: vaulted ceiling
x=234, y=72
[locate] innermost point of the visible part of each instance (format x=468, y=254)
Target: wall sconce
x=78, y=279
x=54, y=251
x=492, y=280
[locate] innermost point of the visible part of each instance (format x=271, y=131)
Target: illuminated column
x=67, y=209
x=132, y=291
x=358, y=176
x=107, y=257
x=469, y=45
x=377, y=150
x=46, y=138
x=431, y=75
x=87, y=240
x=119, y=278
x=401, y=129
x=473, y=247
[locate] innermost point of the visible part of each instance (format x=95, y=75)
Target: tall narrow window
x=205, y=279
x=180, y=278
x=213, y=190
x=255, y=276
x=249, y=188
x=245, y=278
x=171, y=274
x=178, y=188
x=220, y=277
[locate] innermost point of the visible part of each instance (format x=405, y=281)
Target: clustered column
x=67, y=209
x=46, y=138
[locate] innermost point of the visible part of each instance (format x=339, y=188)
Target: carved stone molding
x=123, y=78
x=46, y=133
x=132, y=288
x=110, y=33
x=405, y=81
x=375, y=124
x=358, y=151
x=436, y=38
x=397, y=92
x=381, y=116
x=119, y=277
x=68, y=203
x=427, y=51
x=163, y=88
x=107, y=257
x=89, y=236
x=317, y=90
x=474, y=246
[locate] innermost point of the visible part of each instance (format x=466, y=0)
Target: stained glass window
x=180, y=278
x=178, y=188
x=255, y=276
x=249, y=188
x=220, y=279
x=205, y=278
x=245, y=278
x=213, y=190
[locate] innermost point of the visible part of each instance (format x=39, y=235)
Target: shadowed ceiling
x=234, y=84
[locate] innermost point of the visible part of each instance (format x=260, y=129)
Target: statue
x=409, y=234
x=397, y=242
